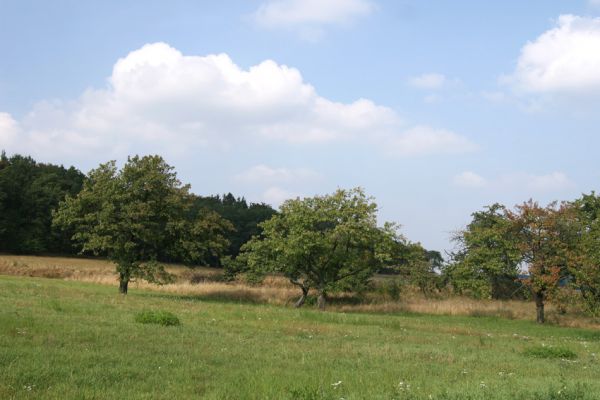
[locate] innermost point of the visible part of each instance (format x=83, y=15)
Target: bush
x=550, y=352
x=391, y=289
x=164, y=318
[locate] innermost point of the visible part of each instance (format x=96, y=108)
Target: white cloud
x=263, y=174
x=276, y=195
x=469, y=179
x=428, y=81
x=424, y=140
x=309, y=17
x=552, y=182
x=564, y=59
x=9, y=130
x=520, y=182
x=159, y=100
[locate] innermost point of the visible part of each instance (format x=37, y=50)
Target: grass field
x=205, y=283
x=62, y=339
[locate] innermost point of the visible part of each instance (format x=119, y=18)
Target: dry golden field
x=204, y=282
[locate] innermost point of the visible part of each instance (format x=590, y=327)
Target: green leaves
x=327, y=242
x=139, y=215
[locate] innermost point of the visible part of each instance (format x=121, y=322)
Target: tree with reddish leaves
x=545, y=237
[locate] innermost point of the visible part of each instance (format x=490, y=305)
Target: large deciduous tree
x=586, y=269
x=325, y=243
x=546, y=238
x=486, y=263
x=138, y=216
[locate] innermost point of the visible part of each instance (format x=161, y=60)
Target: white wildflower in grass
x=482, y=385
x=336, y=384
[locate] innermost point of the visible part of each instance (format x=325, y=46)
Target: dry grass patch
x=207, y=283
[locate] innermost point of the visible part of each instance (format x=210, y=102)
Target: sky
x=435, y=108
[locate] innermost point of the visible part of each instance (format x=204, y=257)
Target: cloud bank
x=310, y=17
x=159, y=100
x=564, y=59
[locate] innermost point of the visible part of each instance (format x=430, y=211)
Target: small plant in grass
x=550, y=352
x=164, y=318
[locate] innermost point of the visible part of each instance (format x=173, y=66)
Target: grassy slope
x=66, y=339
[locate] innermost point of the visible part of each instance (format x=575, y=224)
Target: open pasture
x=68, y=339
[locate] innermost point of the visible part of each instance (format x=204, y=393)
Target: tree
x=586, y=270
x=486, y=263
x=545, y=236
x=415, y=265
x=138, y=216
x=325, y=243
x=29, y=192
x=244, y=217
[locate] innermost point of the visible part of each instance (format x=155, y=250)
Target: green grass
x=65, y=339
x=158, y=317
x=550, y=352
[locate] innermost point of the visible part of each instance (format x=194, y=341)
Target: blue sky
x=436, y=108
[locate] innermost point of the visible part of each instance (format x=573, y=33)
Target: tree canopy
x=244, y=217
x=29, y=191
x=486, y=262
x=139, y=216
x=325, y=243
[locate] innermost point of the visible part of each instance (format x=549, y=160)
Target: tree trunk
x=302, y=299
x=123, y=283
x=322, y=299
x=539, y=306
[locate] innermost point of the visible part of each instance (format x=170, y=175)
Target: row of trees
x=31, y=191
x=539, y=248
x=142, y=214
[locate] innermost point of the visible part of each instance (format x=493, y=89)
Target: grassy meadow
x=72, y=338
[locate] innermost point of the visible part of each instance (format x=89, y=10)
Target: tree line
x=31, y=191
x=546, y=250
x=140, y=216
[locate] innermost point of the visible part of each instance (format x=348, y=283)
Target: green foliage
x=244, y=217
x=326, y=243
x=586, y=271
x=391, y=288
x=29, y=191
x=414, y=265
x=138, y=216
x=158, y=317
x=488, y=256
x=550, y=352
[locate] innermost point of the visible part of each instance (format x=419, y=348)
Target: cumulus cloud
x=428, y=81
x=552, y=182
x=564, y=59
x=159, y=100
x=424, y=140
x=8, y=130
x=276, y=195
x=520, y=182
x=263, y=174
x=309, y=17
x=469, y=179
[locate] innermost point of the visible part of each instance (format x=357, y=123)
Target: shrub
x=164, y=318
x=550, y=352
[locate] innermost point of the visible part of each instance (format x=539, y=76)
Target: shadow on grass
x=213, y=297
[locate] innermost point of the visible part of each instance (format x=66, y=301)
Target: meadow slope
x=68, y=339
